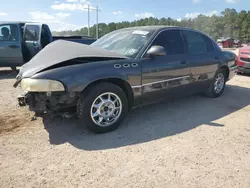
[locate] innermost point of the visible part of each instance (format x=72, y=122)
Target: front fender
x=81, y=82
x=77, y=77
x=229, y=59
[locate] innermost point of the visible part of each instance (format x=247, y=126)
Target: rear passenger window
x=209, y=44
x=195, y=42
x=172, y=41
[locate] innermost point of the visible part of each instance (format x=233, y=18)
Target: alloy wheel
x=106, y=109
x=219, y=83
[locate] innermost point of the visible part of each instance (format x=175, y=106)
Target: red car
x=243, y=61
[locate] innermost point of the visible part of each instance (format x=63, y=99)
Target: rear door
x=166, y=76
x=10, y=45
x=203, y=59
x=32, y=38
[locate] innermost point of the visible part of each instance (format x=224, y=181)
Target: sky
x=72, y=14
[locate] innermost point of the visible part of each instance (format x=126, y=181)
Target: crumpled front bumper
x=33, y=101
x=22, y=101
x=41, y=102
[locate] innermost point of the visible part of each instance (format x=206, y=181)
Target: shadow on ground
x=152, y=122
x=7, y=74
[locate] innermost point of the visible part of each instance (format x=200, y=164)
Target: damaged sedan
x=122, y=70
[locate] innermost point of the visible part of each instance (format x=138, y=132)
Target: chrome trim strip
x=133, y=87
x=157, y=82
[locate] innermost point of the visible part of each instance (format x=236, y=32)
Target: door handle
x=14, y=46
x=184, y=62
x=35, y=44
x=216, y=57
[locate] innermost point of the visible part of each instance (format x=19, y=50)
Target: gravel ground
x=190, y=142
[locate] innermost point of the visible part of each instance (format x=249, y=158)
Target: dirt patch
x=193, y=142
x=11, y=116
x=9, y=123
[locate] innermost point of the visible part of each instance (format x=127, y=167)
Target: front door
x=32, y=38
x=10, y=46
x=166, y=76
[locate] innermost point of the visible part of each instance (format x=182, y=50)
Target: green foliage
x=229, y=24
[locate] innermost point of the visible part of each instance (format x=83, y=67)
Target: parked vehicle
x=20, y=41
x=237, y=44
x=243, y=60
x=122, y=70
x=229, y=42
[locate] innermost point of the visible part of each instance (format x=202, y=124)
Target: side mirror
x=156, y=51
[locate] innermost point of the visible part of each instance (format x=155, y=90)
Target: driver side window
x=172, y=41
x=8, y=32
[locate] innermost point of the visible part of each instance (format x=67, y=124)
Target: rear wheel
x=103, y=107
x=217, y=86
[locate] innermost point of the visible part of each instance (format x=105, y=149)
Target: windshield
x=124, y=42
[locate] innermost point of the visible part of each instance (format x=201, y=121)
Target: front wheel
x=103, y=107
x=217, y=86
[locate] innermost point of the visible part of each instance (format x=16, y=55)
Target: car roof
x=16, y=22
x=158, y=28
x=150, y=28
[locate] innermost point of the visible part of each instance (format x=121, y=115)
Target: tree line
x=229, y=23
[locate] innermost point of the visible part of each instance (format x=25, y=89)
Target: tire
x=90, y=98
x=212, y=92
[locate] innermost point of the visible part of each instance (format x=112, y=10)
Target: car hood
x=61, y=51
x=244, y=51
x=245, y=48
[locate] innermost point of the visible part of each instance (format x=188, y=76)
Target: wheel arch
x=226, y=69
x=123, y=84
